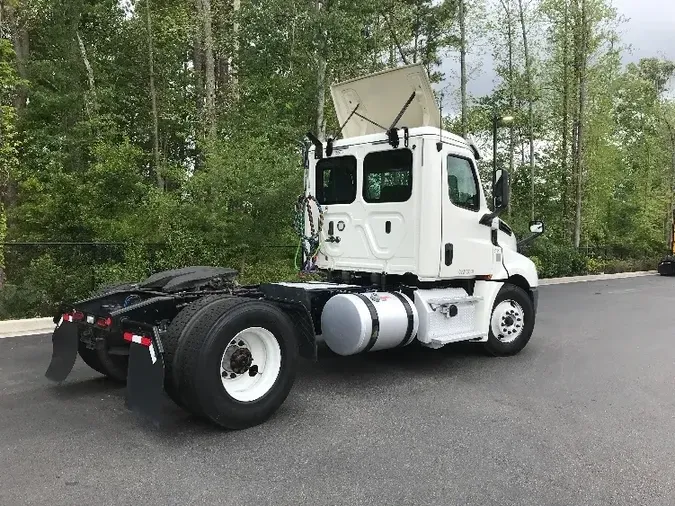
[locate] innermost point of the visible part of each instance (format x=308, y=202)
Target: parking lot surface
x=585, y=415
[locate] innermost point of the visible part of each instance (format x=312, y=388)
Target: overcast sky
x=649, y=29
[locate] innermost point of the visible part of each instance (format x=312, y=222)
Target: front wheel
x=511, y=321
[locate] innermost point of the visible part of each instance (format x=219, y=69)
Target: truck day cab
x=410, y=250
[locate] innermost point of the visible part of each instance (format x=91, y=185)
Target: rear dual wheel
x=231, y=360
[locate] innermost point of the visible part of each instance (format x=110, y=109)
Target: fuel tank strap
x=411, y=319
x=375, y=319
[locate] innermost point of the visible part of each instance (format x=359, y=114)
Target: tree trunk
x=153, y=98
x=462, y=64
x=530, y=103
x=198, y=72
x=512, y=97
x=583, y=61
x=234, y=66
x=320, y=75
x=321, y=98
x=565, y=120
x=672, y=192
x=198, y=58
x=394, y=38
x=671, y=215
x=417, y=32
x=90, y=101
x=210, y=69
x=574, y=108
x=21, y=43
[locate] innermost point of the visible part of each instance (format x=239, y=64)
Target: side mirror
x=501, y=190
x=500, y=193
x=537, y=227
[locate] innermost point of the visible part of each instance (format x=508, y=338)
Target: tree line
x=172, y=127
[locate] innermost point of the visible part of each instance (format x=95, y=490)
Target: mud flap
x=145, y=381
x=64, y=351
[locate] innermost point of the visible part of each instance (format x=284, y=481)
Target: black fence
x=612, y=252
x=37, y=276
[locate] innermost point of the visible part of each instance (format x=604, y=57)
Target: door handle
x=448, y=254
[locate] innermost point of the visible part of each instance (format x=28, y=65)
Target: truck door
x=466, y=245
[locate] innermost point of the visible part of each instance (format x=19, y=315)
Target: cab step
x=447, y=315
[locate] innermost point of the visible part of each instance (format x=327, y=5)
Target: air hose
x=309, y=243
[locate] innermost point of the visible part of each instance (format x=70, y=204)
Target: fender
x=488, y=290
x=520, y=271
x=515, y=264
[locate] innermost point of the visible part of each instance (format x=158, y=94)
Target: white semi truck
x=410, y=248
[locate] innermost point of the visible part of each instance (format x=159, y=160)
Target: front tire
x=511, y=322
x=236, y=366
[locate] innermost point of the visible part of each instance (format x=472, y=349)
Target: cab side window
x=462, y=183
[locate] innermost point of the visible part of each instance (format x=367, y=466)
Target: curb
x=27, y=327
x=37, y=326
x=595, y=277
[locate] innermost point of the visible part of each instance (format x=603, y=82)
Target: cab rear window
x=336, y=180
x=387, y=176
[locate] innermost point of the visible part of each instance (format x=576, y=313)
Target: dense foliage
x=170, y=129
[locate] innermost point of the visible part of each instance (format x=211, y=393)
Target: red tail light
x=75, y=316
x=104, y=322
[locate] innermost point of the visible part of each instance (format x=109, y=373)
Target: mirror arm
x=486, y=219
x=527, y=240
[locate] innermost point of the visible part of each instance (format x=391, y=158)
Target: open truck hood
x=380, y=98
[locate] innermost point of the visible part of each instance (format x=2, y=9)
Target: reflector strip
x=135, y=338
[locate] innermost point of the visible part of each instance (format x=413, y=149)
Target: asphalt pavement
x=584, y=415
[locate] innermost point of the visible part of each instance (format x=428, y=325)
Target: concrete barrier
x=28, y=327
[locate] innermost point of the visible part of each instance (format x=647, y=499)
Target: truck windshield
x=336, y=180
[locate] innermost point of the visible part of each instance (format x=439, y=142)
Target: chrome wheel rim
x=508, y=321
